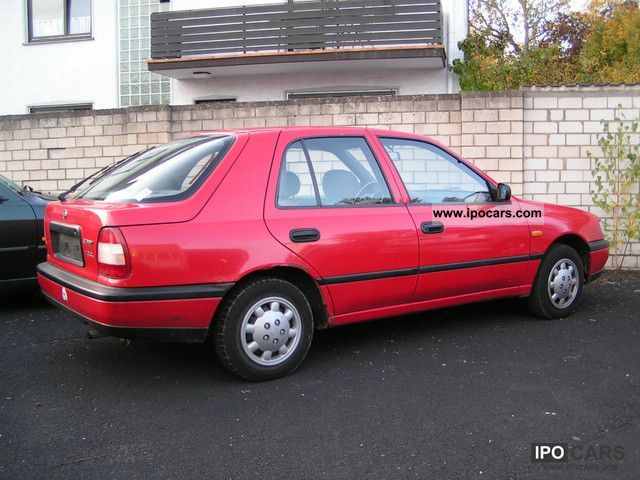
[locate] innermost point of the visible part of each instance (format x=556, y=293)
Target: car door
x=18, y=236
x=468, y=243
x=329, y=202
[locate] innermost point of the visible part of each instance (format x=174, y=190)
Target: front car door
x=329, y=202
x=18, y=235
x=470, y=246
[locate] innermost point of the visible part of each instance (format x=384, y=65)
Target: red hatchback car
x=255, y=237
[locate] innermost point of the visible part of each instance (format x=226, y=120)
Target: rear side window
x=331, y=171
x=295, y=185
x=169, y=172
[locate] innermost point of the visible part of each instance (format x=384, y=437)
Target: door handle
x=303, y=235
x=432, y=227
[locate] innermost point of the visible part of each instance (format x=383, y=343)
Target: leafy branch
x=616, y=174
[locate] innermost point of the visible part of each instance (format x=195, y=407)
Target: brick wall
x=534, y=139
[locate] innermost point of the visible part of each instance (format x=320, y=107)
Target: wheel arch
x=576, y=242
x=299, y=277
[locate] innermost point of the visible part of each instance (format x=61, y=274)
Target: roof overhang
x=432, y=56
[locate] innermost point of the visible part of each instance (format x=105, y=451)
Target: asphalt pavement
x=456, y=393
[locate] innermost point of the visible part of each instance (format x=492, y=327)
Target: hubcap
x=270, y=331
x=563, y=283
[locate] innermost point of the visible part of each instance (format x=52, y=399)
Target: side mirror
x=503, y=192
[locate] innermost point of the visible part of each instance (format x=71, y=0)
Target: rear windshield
x=169, y=172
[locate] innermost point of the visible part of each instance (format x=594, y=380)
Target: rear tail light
x=113, y=254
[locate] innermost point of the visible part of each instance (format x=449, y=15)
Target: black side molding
x=598, y=245
x=475, y=263
x=92, y=289
x=358, y=277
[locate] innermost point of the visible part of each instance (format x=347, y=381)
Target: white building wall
x=61, y=72
x=197, y=4
x=257, y=84
x=250, y=87
x=87, y=71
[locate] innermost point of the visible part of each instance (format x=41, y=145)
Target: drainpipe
x=455, y=20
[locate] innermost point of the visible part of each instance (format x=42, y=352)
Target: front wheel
x=264, y=329
x=558, y=285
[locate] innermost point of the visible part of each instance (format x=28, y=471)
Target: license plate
x=66, y=243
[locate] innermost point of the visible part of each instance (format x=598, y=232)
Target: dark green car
x=21, y=231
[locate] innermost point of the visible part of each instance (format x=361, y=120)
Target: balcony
x=226, y=39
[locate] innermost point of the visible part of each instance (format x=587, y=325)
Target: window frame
x=333, y=93
x=60, y=107
x=490, y=186
x=214, y=100
x=394, y=201
x=66, y=37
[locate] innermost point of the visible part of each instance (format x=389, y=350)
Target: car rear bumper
x=182, y=312
x=598, y=255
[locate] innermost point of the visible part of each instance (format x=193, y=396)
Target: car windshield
x=10, y=185
x=169, y=172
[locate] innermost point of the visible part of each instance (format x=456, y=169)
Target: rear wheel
x=264, y=329
x=558, y=285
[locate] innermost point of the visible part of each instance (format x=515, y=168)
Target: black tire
x=228, y=325
x=539, y=301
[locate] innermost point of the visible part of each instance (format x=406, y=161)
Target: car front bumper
x=180, y=313
x=598, y=255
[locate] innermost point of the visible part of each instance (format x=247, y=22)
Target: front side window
x=166, y=173
x=331, y=171
x=431, y=175
x=58, y=19
x=10, y=185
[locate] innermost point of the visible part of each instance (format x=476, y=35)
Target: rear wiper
x=103, y=171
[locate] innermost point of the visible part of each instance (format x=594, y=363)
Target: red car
x=255, y=237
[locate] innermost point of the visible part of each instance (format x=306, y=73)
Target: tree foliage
x=601, y=45
x=611, y=51
x=487, y=67
x=510, y=19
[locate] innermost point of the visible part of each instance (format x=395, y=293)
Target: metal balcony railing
x=290, y=27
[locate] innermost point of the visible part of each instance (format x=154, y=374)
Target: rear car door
x=468, y=243
x=18, y=237
x=330, y=203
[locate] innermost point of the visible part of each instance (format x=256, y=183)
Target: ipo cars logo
x=567, y=453
x=549, y=452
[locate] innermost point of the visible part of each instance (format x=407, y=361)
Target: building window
x=60, y=108
x=58, y=19
x=341, y=93
x=139, y=86
x=200, y=101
